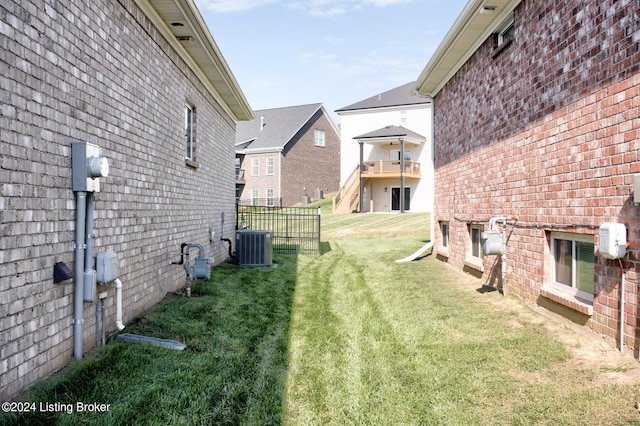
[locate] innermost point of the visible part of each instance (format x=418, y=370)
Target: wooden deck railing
x=390, y=168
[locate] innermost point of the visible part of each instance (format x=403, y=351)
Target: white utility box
x=107, y=267
x=613, y=240
x=492, y=242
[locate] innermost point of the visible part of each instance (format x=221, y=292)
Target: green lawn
x=346, y=338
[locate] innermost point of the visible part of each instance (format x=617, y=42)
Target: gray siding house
x=144, y=82
x=286, y=154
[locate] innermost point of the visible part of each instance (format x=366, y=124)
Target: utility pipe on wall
x=622, y=303
x=81, y=205
x=119, y=323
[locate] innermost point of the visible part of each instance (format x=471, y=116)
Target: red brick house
x=536, y=121
x=286, y=154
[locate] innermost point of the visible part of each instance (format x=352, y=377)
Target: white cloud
x=225, y=6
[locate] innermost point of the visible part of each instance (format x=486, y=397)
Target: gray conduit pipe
x=81, y=205
x=622, y=303
x=88, y=239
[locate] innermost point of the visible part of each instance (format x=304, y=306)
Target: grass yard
x=349, y=338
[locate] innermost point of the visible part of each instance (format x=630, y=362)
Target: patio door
x=395, y=198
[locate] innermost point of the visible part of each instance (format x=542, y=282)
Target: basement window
x=443, y=248
x=444, y=233
x=573, y=264
x=476, y=244
x=473, y=258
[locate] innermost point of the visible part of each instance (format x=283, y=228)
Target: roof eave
x=199, y=51
x=468, y=32
x=391, y=140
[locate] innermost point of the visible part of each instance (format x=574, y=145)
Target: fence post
x=319, y=214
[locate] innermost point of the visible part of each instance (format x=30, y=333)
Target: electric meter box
x=491, y=242
x=613, y=240
x=87, y=166
x=107, y=267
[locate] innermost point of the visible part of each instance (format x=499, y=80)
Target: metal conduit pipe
x=81, y=205
x=89, y=235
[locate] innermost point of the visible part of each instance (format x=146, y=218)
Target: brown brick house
x=285, y=154
x=536, y=107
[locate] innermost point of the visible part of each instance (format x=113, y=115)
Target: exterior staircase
x=347, y=200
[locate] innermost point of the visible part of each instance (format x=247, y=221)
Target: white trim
x=447, y=50
x=190, y=12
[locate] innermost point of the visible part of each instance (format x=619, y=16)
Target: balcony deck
x=390, y=169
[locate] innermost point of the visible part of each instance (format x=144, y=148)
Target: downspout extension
x=119, y=323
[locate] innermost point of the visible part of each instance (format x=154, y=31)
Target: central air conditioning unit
x=254, y=248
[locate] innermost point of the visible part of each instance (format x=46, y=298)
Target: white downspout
x=432, y=229
x=119, y=323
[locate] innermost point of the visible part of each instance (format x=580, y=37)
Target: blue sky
x=337, y=52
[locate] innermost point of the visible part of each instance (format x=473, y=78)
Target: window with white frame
x=189, y=131
x=444, y=232
x=318, y=137
x=403, y=117
x=269, y=166
x=270, y=197
x=475, y=232
x=255, y=166
x=573, y=264
x=505, y=30
x=255, y=196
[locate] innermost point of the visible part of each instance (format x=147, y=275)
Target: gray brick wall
x=97, y=72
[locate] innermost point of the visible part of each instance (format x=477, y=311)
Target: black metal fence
x=293, y=229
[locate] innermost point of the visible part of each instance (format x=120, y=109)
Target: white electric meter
x=98, y=167
x=613, y=240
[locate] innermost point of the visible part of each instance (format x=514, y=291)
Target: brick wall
x=547, y=129
x=97, y=72
x=305, y=165
x=262, y=181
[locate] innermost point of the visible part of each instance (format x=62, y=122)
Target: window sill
x=190, y=163
x=474, y=263
x=442, y=251
x=498, y=49
x=568, y=300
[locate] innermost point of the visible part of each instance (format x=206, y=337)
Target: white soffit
x=477, y=21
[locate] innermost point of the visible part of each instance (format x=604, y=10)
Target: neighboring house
x=536, y=109
x=145, y=82
x=286, y=154
x=386, y=151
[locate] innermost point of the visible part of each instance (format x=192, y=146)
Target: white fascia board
x=462, y=23
x=263, y=150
